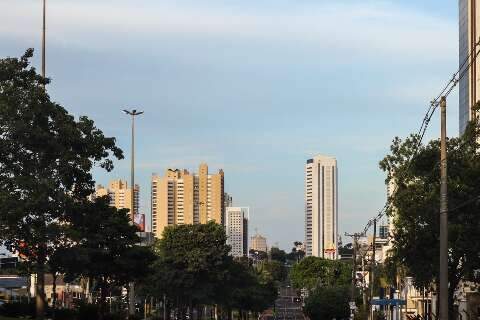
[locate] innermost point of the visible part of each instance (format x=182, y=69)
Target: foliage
x=296, y=255
x=415, y=207
x=46, y=158
x=192, y=262
x=277, y=254
x=328, y=303
x=18, y=309
x=193, y=268
x=105, y=248
x=312, y=272
x=274, y=270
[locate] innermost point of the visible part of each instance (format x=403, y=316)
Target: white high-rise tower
x=321, y=207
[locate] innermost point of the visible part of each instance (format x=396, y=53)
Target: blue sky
x=253, y=87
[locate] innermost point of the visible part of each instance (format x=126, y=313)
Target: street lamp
x=133, y=114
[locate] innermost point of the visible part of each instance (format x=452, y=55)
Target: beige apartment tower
x=120, y=195
x=180, y=197
x=258, y=243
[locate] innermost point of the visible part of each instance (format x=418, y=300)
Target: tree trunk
x=40, y=292
x=54, y=290
x=451, y=296
x=103, y=296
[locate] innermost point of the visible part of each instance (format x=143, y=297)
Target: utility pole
x=355, y=237
x=131, y=285
x=372, y=269
x=443, y=294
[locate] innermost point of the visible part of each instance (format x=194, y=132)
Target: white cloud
x=384, y=29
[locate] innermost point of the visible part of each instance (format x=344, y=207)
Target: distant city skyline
x=252, y=87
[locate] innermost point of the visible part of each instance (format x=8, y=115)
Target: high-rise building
x=321, y=207
x=258, y=243
x=120, y=195
x=180, y=197
x=469, y=34
x=228, y=200
x=236, y=226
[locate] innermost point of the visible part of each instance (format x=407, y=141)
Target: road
x=286, y=308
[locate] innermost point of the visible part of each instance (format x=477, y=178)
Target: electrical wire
x=445, y=92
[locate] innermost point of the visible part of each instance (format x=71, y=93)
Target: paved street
x=286, y=308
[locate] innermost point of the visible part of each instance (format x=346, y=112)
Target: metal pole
x=43, y=38
x=165, y=307
x=352, y=298
x=372, y=271
x=132, y=171
x=443, y=294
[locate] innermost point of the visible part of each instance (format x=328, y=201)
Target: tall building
x=180, y=197
x=237, y=230
x=469, y=34
x=321, y=207
x=120, y=195
x=258, y=243
x=228, y=200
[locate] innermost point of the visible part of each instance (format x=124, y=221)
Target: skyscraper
x=237, y=230
x=180, y=197
x=120, y=194
x=321, y=207
x=469, y=34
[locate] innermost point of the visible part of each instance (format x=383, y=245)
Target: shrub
x=87, y=311
x=18, y=309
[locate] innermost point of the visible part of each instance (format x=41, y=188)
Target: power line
x=451, y=84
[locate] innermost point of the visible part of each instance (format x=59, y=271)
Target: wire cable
x=445, y=92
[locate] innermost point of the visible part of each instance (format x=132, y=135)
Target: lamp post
x=131, y=291
x=133, y=114
x=43, y=37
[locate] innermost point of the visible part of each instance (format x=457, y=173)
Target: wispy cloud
x=384, y=28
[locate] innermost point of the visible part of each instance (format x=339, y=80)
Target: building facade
x=469, y=35
x=121, y=195
x=236, y=227
x=258, y=243
x=180, y=197
x=321, y=207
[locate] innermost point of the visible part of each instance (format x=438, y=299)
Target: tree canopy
x=415, y=207
x=313, y=272
x=193, y=268
x=46, y=158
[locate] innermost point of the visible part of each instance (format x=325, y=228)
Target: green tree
x=46, y=158
x=105, y=249
x=277, y=254
x=415, y=208
x=274, y=270
x=313, y=272
x=328, y=303
x=192, y=264
x=296, y=255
